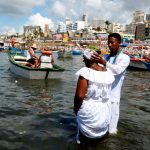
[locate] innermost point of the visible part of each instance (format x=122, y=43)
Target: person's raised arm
x=120, y=66
x=79, y=47
x=115, y=68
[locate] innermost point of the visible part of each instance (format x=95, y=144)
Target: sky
x=14, y=14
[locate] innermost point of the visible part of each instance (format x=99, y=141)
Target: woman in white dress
x=46, y=59
x=91, y=101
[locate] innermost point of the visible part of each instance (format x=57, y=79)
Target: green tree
x=99, y=28
x=107, y=24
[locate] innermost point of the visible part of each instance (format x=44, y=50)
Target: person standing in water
x=92, y=104
x=117, y=62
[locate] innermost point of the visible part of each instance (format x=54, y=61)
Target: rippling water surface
x=38, y=114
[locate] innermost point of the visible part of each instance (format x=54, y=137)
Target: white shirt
x=28, y=54
x=118, y=69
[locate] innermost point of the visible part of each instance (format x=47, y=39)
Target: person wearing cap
x=31, y=57
x=117, y=62
x=92, y=99
x=46, y=59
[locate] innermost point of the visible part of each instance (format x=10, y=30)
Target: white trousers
x=114, y=117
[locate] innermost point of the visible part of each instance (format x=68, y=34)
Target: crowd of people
x=138, y=52
x=98, y=91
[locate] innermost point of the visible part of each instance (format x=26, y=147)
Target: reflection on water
x=38, y=114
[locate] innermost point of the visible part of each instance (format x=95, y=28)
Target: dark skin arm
x=81, y=89
x=52, y=59
x=98, y=59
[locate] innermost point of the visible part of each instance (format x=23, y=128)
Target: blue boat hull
x=147, y=65
x=76, y=52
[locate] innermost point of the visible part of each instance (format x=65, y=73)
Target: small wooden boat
x=64, y=54
x=137, y=64
x=18, y=67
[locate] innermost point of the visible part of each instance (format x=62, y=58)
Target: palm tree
x=107, y=24
x=99, y=28
x=29, y=40
x=35, y=34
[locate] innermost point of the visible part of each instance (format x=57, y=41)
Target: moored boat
x=147, y=64
x=19, y=68
x=64, y=54
x=1, y=46
x=76, y=52
x=137, y=64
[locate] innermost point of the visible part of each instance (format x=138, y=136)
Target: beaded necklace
x=108, y=58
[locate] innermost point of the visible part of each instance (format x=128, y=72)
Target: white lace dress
x=93, y=116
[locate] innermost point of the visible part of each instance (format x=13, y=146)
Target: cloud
x=117, y=11
x=37, y=19
x=94, y=3
x=59, y=8
x=102, y=9
x=73, y=12
x=7, y=30
x=114, y=10
x=17, y=8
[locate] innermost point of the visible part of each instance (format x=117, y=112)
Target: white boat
x=17, y=66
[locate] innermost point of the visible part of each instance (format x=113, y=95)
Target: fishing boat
x=147, y=64
x=1, y=46
x=16, y=51
x=19, y=68
x=76, y=52
x=64, y=54
x=138, y=64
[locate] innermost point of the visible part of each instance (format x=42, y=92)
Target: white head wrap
x=87, y=54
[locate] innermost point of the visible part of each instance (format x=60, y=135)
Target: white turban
x=87, y=54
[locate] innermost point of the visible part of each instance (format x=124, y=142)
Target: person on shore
x=46, y=59
x=32, y=59
x=117, y=62
x=92, y=99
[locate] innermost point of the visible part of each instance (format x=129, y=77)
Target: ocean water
x=38, y=114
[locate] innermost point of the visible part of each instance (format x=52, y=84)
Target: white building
x=85, y=19
x=70, y=26
x=138, y=18
x=98, y=23
x=78, y=25
x=127, y=36
x=29, y=30
x=61, y=27
x=74, y=26
x=117, y=28
x=68, y=21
